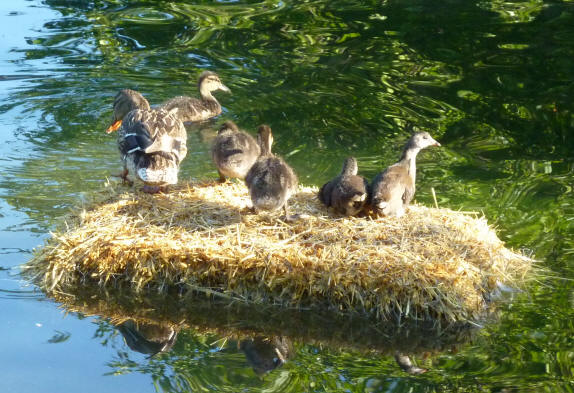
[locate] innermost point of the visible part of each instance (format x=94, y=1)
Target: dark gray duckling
x=393, y=189
x=347, y=193
x=194, y=109
x=148, y=338
x=270, y=180
x=266, y=354
x=152, y=142
x=234, y=152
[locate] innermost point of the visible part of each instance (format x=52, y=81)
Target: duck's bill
x=114, y=127
x=437, y=144
x=224, y=88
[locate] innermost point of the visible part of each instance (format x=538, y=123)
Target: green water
x=493, y=81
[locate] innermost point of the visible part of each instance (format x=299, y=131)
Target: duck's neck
x=350, y=167
x=225, y=131
x=409, y=160
x=265, y=147
x=264, y=142
x=206, y=94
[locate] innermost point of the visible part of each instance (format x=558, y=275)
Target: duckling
x=152, y=142
x=405, y=363
x=347, y=193
x=265, y=354
x=193, y=109
x=234, y=152
x=270, y=180
x=393, y=189
x=148, y=338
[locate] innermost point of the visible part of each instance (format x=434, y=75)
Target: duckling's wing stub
x=234, y=153
x=325, y=192
x=409, y=193
x=388, y=189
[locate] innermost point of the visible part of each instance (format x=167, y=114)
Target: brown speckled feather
x=193, y=109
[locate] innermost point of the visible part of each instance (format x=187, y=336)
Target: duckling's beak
x=437, y=144
x=224, y=88
x=114, y=127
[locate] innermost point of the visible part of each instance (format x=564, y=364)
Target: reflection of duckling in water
x=393, y=189
x=193, y=109
x=407, y=365
x=152, y=142
x=270, y=180
x=148, y=338
x=266, y=354
x=234, y=152
x=347, y=193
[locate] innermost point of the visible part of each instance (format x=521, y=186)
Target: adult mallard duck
x=152, y=142
x=394, y=188
x=270, y=180
x=347, y=193
x=234, y=152
x=193, y=109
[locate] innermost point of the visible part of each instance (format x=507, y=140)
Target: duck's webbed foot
x=124, y=176
x=289, y=218
x=400, y=212
x=222, y=179
x=249, y=210
x=154, y=189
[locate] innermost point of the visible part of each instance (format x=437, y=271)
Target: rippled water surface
x=493, y=81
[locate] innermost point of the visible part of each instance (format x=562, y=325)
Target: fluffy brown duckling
x=152, y=142
x=393, y=189
x=234, y=152
x=270, y=180
x=194, y=109
x=347, y=193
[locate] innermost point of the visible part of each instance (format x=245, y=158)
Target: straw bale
x=431, y=264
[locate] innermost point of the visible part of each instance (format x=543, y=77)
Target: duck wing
x=135, y=138
x=389, y=187
x=152, y=132
x=192, y=109
x=236, y=144
x=326, y=191
x=409, y=193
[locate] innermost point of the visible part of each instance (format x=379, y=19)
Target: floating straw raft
x=431, y=264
